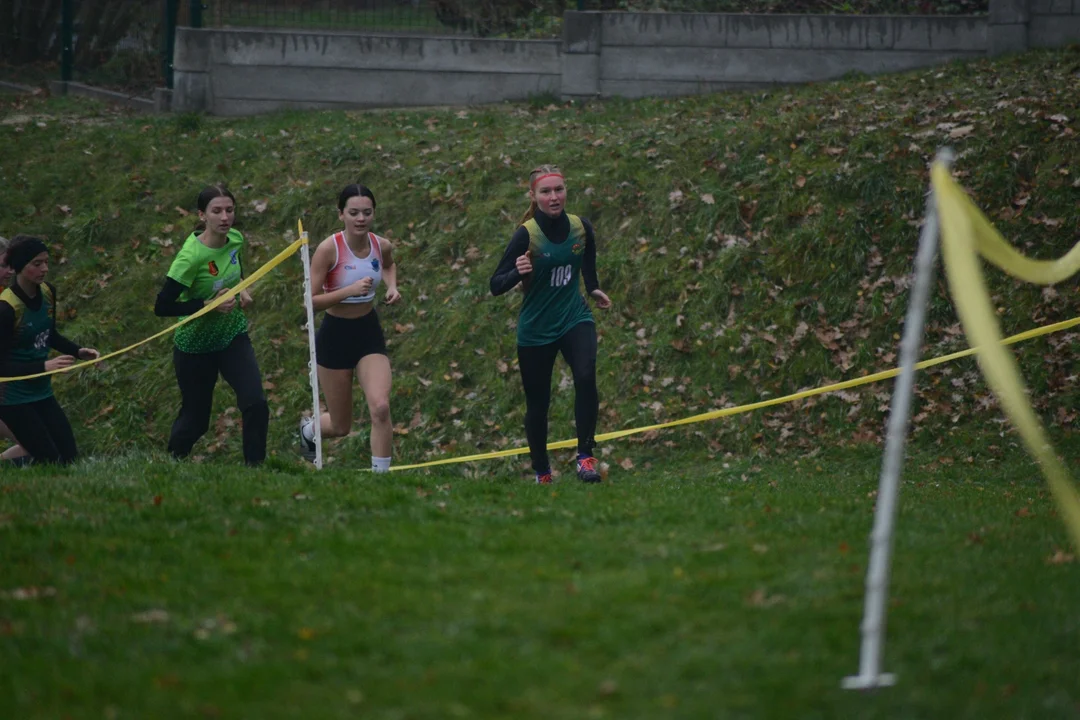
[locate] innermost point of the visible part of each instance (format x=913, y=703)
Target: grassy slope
x=753, y=243
x=691, y=586
x=695, y=590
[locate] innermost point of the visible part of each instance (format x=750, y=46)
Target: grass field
x=684, y=588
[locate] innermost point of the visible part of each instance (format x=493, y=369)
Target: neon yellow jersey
x=31, y=344
x=204, y=271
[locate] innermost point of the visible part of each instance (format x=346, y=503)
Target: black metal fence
x=473, y=17
x=113, y=43
x=798, y=7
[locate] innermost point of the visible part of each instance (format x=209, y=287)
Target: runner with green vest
x=550, y=254
x=16, y=454
x=208, y=265
x=27, y=333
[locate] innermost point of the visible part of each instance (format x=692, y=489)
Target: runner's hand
x=360, y=287
x=601, y=298
x=229, y=305
x=59, y=362
x=524, y=263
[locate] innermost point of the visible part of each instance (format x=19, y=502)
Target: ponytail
x=537, y=172
x=528, y=213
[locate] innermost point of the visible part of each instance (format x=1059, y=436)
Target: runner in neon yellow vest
x=27, y=334
x=550, y=254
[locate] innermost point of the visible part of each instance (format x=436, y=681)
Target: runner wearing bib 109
x=348, y=267
x=551, y=254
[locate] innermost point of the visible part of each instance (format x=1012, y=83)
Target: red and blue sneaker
x=586, y=469
x=543, y=478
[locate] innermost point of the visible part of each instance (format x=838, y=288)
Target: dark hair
x=354, y=190
x=537, y=172
x=211, y=192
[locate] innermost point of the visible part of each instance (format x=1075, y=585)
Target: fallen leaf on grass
x=151, y=616
x=626, y=464
x=1060, y=558
x=30, y=593
x=761, y=598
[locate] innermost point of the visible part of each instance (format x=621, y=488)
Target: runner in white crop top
x=350, y=342
x=347, y=268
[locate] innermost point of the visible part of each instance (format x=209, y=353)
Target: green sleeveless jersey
x=553, y=302
x=30, y=344
x=204, y=272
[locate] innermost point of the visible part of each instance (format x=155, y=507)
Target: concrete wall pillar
x=192, y=91
x=1008, y=31
x=581, y=44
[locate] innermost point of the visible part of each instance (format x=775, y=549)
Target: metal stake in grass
x=313, y=373
x=877, y=572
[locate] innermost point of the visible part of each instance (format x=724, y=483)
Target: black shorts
x=340, y=342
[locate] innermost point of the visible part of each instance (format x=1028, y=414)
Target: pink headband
x=554, y=174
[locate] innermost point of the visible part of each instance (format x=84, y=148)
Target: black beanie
x=24, y=249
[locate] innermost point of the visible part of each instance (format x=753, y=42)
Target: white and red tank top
x=348, y=268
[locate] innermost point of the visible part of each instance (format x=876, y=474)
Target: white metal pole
x=313, y=372
x=877, y=572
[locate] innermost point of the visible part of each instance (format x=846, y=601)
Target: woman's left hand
x=392, y=295
x=601, y=299
x=245, y=298
x=89, y=354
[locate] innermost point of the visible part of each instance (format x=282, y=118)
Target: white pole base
x=868, y=682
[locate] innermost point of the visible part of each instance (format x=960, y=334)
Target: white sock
x=308, y=430
x=379, y=464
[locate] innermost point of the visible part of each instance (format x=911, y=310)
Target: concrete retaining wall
x=1054, y=23
x=237, y=71
x=673, y=53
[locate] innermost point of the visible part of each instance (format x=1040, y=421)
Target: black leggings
x=42, y=429
x=197, y=373
x=578, y=348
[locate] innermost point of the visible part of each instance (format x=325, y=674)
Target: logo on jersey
x=233, y=257
x=375, y=264
x=578, y=248
x=212, y=267
x=350, y=267
x=41, y=341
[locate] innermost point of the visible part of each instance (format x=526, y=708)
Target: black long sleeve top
x=168, y=302
x=557, y=231
x=58, y=342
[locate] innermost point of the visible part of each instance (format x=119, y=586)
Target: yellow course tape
x=726, y=412
x=966, y=233
x=246, y=283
